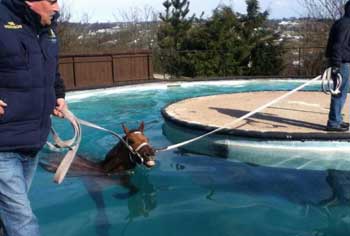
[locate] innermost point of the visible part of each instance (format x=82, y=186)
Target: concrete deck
x=302, y=113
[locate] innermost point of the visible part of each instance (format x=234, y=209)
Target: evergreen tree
x=235, y=44
x=172, y=33
x=223, y=28
x=228, y=43
x=261, y=53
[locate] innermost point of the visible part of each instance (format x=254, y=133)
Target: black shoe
x=344, y=125
x=337, y=129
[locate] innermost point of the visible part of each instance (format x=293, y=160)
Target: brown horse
x=113, y=171
x=120, y=158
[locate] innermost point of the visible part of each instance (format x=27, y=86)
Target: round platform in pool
x=289, y=134
x=302, y=116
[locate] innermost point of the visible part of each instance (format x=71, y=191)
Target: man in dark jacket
x=338, y=53
x=30, y=90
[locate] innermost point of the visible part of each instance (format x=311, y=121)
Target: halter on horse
x=122, y=158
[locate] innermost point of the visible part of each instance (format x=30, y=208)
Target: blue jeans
x=337, y=101
x=16, y=174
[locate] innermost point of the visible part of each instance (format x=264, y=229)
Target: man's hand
x=2, y=108
x=60, y=105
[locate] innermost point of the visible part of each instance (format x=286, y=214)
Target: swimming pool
x=186, y=194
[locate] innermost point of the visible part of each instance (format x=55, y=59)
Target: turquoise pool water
x=186, y=194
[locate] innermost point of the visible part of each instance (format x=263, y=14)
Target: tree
x=227, y=43
x=320, y=15
x=175, y=24
x=174, y=28
x=139, y=30
x=324, y=9
x=217, y=43
x=261, y=54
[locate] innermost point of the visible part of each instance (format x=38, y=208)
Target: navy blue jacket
x=338, y=47
x=29, y=78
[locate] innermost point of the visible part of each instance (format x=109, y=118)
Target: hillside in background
x=303, y=39
x=116, y=36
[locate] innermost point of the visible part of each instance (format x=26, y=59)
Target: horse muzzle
x=149, y=160
x=150, y=163
x=148, y=156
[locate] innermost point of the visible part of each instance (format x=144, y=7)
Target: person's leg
x=345, y=72
x=15, y=209
x=30, y=164
x=338, y=101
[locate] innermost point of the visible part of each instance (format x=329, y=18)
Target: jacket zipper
x=45, y=82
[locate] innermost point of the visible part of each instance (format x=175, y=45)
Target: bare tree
x=314, y=29
x=320, y=16
x=72, y=36
x=139, y=28
x=324, y=9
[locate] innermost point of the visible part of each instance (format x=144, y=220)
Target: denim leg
x=30, y=165
x=15, y=208
x=338, y=101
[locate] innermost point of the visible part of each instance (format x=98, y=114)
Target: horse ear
x=142, y=126
x=126, y=130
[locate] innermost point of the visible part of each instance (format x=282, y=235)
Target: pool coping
x=165, y=84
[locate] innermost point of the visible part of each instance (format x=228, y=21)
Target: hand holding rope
x=73, y=144
x=331, y=81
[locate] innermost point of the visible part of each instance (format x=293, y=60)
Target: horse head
x=132, y=150
x=143, y=152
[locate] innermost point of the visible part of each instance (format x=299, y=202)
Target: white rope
x=91, y=125
x=328, y=85
x=240, y=118
x=74, y=143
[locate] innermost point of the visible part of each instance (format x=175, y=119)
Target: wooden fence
x=105, y=70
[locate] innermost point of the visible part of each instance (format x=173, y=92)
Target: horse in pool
x=114, y=170
x=119, y=159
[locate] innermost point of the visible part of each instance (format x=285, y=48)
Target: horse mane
x=112, y=159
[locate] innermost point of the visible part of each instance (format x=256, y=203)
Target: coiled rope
x=329, y=86
x=72, y=144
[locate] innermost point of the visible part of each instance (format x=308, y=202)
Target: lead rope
x=74, y=143
x=240, y=118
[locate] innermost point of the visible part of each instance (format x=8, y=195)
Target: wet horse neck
x=117, y=159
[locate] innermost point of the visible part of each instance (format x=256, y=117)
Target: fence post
x=299, y=60
x=114, y=79
x=74, y=73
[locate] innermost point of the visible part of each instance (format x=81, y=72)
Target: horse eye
x=131, y=142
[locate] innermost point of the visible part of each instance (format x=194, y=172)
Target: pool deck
x=303, y=115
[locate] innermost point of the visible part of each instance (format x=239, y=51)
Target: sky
x=112, y=10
